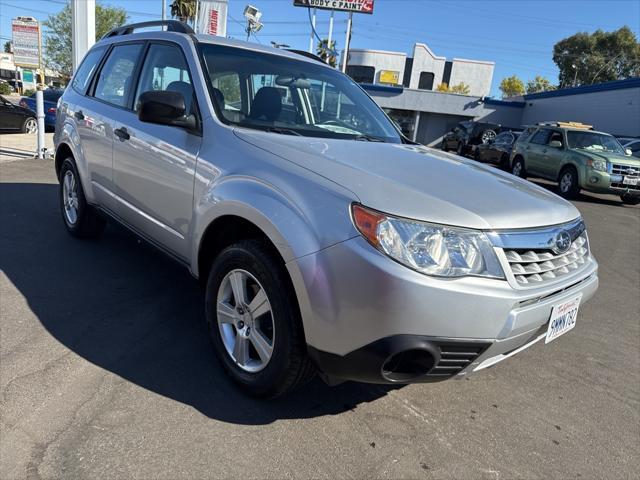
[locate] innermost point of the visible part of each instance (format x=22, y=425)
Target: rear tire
x=80, y=219
x=504, y=161
x=630, y=200
x=265, y=354
x=30, y=126
x=568, y=185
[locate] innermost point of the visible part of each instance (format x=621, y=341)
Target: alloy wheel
x=245, y=321
x=70, y=197
x=517, y=169
x=566, y=182
x=31, y=126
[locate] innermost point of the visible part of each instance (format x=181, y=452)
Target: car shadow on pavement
x=127, y=308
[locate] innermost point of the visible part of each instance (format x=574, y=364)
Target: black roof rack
x=172, y=26
x=305, y=54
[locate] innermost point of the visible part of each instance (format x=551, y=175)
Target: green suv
x=577, y=157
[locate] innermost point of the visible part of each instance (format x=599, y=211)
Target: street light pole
x=313, y=28
x=164, y=9
x=347, y=41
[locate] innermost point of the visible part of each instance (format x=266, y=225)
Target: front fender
x=297, y=224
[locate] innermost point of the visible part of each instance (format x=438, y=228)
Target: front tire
x=568, y=184
x=630, y=200
x=518, y=169
x=80, y=219
x=254, y=321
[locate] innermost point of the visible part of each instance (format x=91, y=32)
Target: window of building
x=361, y=73
x=426, y=81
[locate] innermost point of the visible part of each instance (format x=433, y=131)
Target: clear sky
x=518, y=35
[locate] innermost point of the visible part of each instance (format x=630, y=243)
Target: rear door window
x=116, y=81
x=541, y=137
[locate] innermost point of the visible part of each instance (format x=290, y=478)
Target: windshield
x=296, y=97
x=595, y=142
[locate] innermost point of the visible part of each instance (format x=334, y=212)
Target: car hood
x=611, y=157
x=421, y=183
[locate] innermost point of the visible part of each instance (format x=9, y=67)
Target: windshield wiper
x=368, y=138
x=283, y=131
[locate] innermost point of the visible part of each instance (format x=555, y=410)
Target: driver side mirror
x=555, y=144
x=628, y=152
x=164, y=108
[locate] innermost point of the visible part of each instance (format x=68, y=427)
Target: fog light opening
x=593, y=179
x=408, y=365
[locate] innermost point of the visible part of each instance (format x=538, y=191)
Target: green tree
x=587, y=58
x=327, y=52
x=511, y=87
x=7, y=46
x=539, y=84
x=183, y=10
x=57, y=46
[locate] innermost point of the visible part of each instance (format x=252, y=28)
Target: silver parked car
x=327, y=242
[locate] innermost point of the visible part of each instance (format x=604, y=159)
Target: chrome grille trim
x=531, y=258
x=541, y=270
x=618, y=169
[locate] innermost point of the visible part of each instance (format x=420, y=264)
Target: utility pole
x=164, y=9
x=347, y=42
x=83, y=28
x=330, y=36
x=313, y=29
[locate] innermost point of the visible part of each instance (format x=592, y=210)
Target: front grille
x=455, y=357
x=541, y=265
x=625, y=170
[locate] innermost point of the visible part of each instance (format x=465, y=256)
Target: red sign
x=356, y=6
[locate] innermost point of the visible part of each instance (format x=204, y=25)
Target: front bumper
x=608, y=183
x=364, y=309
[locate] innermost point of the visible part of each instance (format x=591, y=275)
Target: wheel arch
x=62, y=151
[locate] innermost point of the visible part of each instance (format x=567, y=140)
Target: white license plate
x=563, y=318
x=630, y=180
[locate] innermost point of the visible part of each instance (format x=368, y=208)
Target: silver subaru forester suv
x=326, y=242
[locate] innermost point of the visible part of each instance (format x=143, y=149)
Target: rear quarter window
x=84, y=73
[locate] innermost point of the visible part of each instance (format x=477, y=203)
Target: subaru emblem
x=562, y=242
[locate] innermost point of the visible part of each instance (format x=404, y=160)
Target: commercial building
x=425, y=116
x=422, y=71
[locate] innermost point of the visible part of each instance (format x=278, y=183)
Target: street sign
x=26, y=41
x=355, y=6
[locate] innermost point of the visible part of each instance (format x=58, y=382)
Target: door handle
x=122, y=133
x=79, y=115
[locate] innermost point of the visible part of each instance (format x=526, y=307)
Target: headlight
x=600, y=165
x=429, y=248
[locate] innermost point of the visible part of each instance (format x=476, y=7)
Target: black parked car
x=17, y=118
x=465, y=136
x=497, y=150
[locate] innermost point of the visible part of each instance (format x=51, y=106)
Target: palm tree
x=183, y=10
x=326, y=52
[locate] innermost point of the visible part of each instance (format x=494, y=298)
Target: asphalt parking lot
x=106, y=372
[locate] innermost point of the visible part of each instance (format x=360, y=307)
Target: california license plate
x=630, y=180
x=563, y=318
